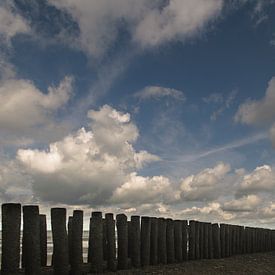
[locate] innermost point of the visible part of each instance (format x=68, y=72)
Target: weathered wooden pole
x=210, y=242
x=104, y=240
x=192, y=243
x=11, y=222
x=43, y=239
x=111, y=241
x=216, y=240
x=70, y=227
x=222, y=234
x=96, y=242
x=77, y=247
x=122, y=241
x=31, y=239
x=60, y=241
x=197, y=240
x=135, y=241
x=206, y=239
x=145, y=240
x=170, y=241
x=184, y=240
x=129, y=240
x=178, y=240
x=227, y=240
x=201, y=240
x=162, y=253
x=154, y=241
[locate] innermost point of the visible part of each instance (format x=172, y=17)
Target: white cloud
x=261, y=179
x=179, y=20
x=159, y=92
x=150, y=23
x=24, y=106
x=210, y=212
x=205, y=185
x=139, y=190
x=11, y=24
x=257, y=112
x=86, y=167
x=245, y=203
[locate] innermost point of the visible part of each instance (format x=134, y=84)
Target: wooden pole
x=77, y=247
x=96, y=242
x=11, y=222
x=32, y=239
x=122, y=241
x=60, y=241
x=135, y=241
x=43, y=239
x=145, y=240
x=162, y=253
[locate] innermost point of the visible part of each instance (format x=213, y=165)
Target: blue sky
x=157, y=107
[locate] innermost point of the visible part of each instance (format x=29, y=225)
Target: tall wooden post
x=43, y=239
x=60, y=241
x=154, y=241
x=162, y=253
x=135, y=240
x=145, y=240
x=11, y=222
x=122, y=241
x=77, y=248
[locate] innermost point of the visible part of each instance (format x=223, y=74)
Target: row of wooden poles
x=141, y=241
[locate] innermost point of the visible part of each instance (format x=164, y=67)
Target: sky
x=161, y=107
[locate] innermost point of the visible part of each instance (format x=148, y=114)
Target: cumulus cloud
x=245, y=203
x=257, y=112
x=149, y=23
x=205, y=185
x=24, y=106
x=158, y=189
x=11, y=23
x=159, y=92
x=210, y=212
x=86, y=167
x=261, y=179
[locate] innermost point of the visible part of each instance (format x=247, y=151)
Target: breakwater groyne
x=116, y=242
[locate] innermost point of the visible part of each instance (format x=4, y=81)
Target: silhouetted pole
x=227, y=240
x=32, y=239
x=122, y=241
x=205, y=243
x=222, y=233
x=60, y=241
x=70, y=233
x=162, y=254
x=77, y=247
x=43, y=239
x=111, y=243
x=96, y=242
x=129, y=240
x=192, y=240
x=178, y=240
x=202, y=240
x=210, y=241
x=11, y=222
x=184, y=240
x=154, y=242
x=104, y=240
x=134, y=239
x=197, y=240
x=216, y=241
x=145, y=240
